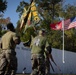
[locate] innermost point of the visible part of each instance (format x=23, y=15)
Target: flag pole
x=63, y=43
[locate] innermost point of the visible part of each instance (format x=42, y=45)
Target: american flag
x=72, y=23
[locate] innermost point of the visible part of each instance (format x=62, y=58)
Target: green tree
x=51, y=11
x=3, y=5
x=21, y=7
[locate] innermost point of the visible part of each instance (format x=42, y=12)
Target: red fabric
x=56, y=26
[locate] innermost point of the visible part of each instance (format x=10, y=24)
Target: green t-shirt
x=38, y=45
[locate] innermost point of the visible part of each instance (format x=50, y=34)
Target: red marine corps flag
x=56, y=26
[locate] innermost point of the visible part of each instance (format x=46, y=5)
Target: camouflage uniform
x=38, y=45
x=8, y=60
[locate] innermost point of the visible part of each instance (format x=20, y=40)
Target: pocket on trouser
x=34, y=62
x=2, y=55
x=8, y=54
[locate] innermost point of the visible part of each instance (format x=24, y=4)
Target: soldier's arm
x=16, y=39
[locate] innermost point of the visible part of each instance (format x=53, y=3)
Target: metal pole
x=63, y=43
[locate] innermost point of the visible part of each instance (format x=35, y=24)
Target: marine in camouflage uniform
x=38, y=45
x=8, y=60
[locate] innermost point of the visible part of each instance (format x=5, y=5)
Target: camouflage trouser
x=3, y=65
x=47, y=66
x=38, y=64
x=8, y=63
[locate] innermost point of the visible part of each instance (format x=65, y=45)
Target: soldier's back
x=6, y=39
